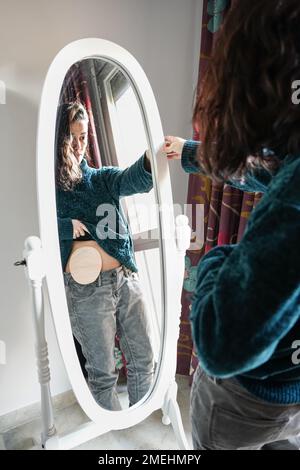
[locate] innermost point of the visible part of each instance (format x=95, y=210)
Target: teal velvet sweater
x=246, y=309
x=102, y=186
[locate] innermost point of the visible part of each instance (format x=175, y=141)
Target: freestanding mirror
x=123, y=122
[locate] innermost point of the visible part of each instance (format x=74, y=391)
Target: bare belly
x=108, y=262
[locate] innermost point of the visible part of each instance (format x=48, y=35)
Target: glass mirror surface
x=107, y=223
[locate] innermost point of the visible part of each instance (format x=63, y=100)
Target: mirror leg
x=171, y=414
x=34, y=271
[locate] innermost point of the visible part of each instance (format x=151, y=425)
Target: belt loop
x=66, y=278
x=99, y=280
x=217, y=380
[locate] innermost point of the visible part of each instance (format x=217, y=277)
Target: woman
x=112, y=303
x=246, y=309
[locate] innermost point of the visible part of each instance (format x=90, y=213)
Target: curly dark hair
x=245, y=102
x=67, y=173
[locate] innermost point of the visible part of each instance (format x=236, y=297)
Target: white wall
x=164, y=37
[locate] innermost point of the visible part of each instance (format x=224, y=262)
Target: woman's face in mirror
x=79, y=138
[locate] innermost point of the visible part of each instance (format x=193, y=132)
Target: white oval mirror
x=114, y=267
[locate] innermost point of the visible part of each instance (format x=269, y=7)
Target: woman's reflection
x=102, y=287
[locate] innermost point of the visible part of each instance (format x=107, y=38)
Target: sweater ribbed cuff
x=65, y=228
x=189, y=161
x=284, y=393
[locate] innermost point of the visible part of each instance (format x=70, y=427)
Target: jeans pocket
x=229, y=430
x=81, y=291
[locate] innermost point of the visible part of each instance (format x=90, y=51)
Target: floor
x=150, y=434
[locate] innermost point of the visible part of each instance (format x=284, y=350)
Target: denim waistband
x=106, y=276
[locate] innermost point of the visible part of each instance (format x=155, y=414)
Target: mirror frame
x=171, y=259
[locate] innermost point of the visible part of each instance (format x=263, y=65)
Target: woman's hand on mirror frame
x=173, y=147
x=78, y=228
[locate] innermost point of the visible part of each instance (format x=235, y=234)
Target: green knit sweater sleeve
x=134, y=179
x=253, y=181
x=246, y=297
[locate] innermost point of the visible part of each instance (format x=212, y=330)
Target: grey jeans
x=225, y=416
x=112, y=304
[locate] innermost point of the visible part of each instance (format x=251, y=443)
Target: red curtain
x=226, y=210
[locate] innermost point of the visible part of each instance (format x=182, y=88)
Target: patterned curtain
x=226, y=210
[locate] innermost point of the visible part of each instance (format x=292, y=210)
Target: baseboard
x=30, y=413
